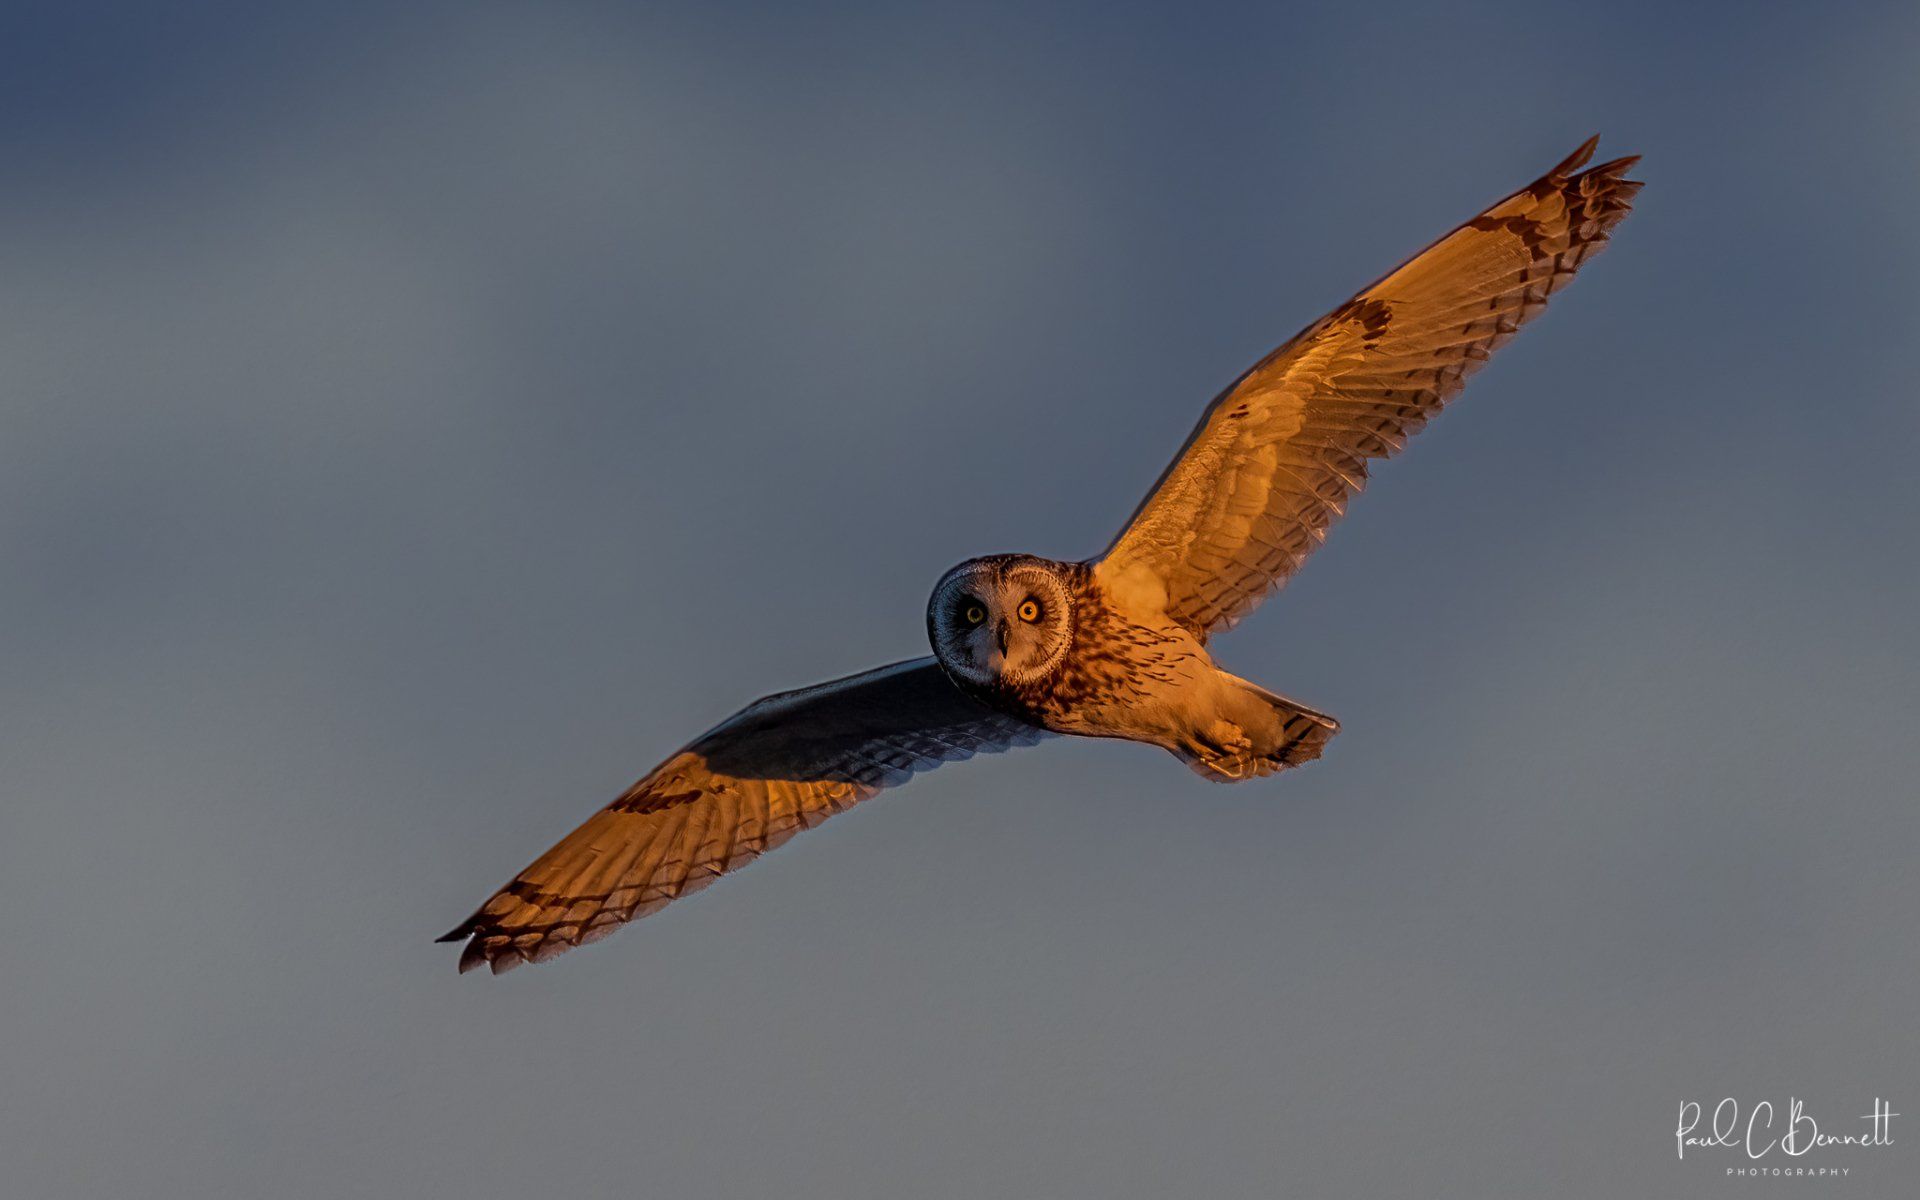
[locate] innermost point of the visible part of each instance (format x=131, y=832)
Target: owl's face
x=1001, y=620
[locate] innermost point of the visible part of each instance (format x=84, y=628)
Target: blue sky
x=417, y=425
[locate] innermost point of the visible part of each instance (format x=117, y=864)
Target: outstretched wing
x=782, y=764
x=1277, y=456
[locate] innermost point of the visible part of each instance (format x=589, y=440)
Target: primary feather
x=1277, y=456
x=782, y=764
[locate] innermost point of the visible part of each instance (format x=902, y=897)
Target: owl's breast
x=1116, y=667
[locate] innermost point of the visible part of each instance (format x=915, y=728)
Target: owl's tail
x=1254, y=733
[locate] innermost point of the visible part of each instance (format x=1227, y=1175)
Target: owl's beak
x=1000, y=635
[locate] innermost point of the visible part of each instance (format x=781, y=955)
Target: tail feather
x=1255, y=734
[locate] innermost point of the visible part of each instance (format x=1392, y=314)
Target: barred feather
x=1277, y=457
x=781, y=765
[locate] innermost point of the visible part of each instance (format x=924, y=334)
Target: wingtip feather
x=472, y=956
x=1573, y=162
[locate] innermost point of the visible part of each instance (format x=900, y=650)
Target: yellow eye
x=1029, y=611
x=975, y=614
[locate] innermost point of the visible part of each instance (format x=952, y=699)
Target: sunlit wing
x=1278, y=455
x=782, y=764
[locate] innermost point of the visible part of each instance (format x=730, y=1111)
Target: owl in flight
x=1113, y=647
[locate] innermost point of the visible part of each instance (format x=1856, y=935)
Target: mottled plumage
x=1113, y=647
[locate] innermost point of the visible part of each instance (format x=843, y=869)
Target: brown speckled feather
x=783, y=764
x=1276, y=457
x=1116, y=662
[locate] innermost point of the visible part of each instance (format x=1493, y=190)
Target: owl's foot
x=1223, y=753
x=1267, y=733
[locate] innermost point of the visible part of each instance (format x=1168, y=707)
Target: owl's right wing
x=782, y=764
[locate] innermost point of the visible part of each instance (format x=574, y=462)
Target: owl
x=1117, y=646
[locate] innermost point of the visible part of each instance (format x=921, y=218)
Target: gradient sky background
x=416, y=426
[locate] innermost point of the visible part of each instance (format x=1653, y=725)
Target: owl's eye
x=1029, y=610
x=975, y=614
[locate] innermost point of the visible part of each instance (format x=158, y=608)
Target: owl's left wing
x=782, y=764
x=1277, y=456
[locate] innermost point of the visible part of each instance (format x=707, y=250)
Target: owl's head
x=1007, y=619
